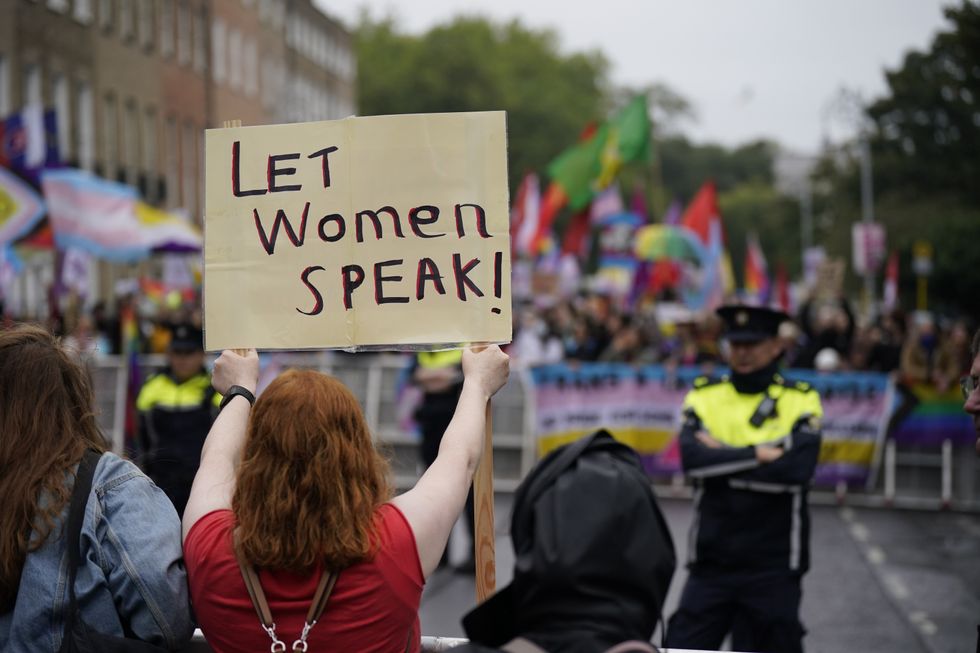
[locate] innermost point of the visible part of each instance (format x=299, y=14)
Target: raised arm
x=434, y=504
x=214, y=484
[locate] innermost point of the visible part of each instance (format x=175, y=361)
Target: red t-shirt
x=374, y=605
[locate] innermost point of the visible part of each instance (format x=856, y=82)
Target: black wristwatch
x=234, y=391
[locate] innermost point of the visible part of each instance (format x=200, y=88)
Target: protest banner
x=378, y=232
x=640, y=406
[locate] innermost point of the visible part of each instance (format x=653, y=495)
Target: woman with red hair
x=294, y=489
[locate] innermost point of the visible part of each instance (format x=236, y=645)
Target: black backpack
x=78, y=636
x=594, y=555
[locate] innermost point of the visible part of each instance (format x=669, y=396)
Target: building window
x=62, y=114
x=127, y=26
x=166, y=28
x=61, y=6
x=4, y=86
x=145, y=23
x=105, y=14
x=149, y=147
x=86, y=127
x=172, y=162
x=200, y=45
x=183, y=34
x=83, y=11
x=110, y=145
x=251, y=60
x=188, y=164
x=234, y=58
x=131, y=143
x=218, y=50
x=32, y=85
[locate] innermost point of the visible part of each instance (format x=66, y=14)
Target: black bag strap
x=73, y=527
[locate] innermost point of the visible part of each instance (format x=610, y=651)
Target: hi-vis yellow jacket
x=751, y=515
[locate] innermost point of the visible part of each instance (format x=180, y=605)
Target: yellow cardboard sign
x=387, y=232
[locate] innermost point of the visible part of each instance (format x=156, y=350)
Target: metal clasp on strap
x=300, y=645
x=278, y=646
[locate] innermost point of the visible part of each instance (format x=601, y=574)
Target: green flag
x=590, y=166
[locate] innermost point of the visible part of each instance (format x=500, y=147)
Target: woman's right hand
x=231, y=368
x=488, y=369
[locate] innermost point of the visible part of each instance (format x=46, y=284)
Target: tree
x=473, y=64
x=927, y=130
x=924, y=135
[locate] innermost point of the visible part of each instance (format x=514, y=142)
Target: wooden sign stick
x=483, y=538
x=229, y=124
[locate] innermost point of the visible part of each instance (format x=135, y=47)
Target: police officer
x=440, y=376
x=750, y=443
x=176, y=408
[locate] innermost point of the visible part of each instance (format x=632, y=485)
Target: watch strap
x=234, y=391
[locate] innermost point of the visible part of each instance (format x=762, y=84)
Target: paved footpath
x=880, y=580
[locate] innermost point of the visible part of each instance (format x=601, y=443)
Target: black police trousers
x=759, y=608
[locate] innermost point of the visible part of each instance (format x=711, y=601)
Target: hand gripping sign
x=387, y=232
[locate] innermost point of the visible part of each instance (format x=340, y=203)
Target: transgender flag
x=93, y=215
x=106, y=219
x=756, y=272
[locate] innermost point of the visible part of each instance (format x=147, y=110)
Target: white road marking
x=860, y=532
x=875, y=555
x=896, y=586
x=923, y=622
x=847, y=514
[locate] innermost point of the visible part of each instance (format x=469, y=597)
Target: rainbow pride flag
x=20, y=207
x=931, y=417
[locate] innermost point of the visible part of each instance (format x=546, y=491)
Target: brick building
x=136, y=82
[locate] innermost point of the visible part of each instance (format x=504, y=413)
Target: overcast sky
x=751, y=68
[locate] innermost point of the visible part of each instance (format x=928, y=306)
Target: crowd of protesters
x=825, y=334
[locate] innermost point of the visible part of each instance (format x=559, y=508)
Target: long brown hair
x=46, y=424
x=310, y=479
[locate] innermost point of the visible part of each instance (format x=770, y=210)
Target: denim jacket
x=131, y=575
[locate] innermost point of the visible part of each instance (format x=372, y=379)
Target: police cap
x=750, y=323
x=186, y=338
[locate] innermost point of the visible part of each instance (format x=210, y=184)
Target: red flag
x=756, y=271
x=577, y=233
x=890, y=300
x=701, y=211
x=782, y=288
x=554, y=199
x=524, y=215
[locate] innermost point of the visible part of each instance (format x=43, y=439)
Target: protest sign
x=383, y=232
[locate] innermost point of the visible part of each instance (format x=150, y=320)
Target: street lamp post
x=868, y=218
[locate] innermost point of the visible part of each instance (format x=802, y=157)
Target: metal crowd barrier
x=909, y=477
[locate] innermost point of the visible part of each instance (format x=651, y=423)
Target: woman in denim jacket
x=131, y=577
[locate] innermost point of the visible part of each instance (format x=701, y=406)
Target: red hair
x=310, y=480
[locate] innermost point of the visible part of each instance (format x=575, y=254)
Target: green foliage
x=757, y=207
x=686, y=165
x=927, y=130
x=473, y=64
x=925, y=139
